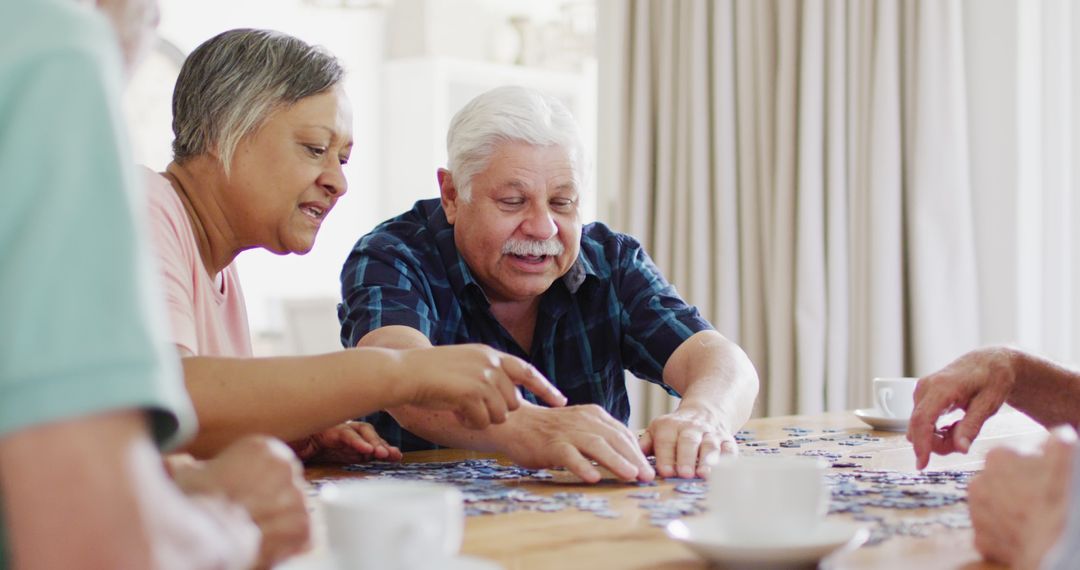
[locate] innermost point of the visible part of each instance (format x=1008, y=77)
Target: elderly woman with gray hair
x=263, y=128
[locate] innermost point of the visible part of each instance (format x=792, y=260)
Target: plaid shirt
x=611, y=312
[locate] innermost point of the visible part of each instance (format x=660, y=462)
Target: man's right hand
x=572, y=436
x=474, y=381
x=978, y=382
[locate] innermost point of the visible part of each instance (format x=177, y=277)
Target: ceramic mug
x=895, y=397
x=767, y=499
x=392, y=525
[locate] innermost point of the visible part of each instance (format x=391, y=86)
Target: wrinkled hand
x=349, y=442
x=1019, y=503
x=572, y=436
x=685, y=442
x=262, y=475
x=978, y=382
x=475, y=381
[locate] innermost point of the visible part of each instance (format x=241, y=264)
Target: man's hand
x=1019, y=502
x=474, y=381
x=263, y=475
x=978, y=382
x=349, y=442
x=572, y=436
x=685, y=441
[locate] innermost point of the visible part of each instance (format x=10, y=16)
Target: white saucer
x=704, y=536
x=323, y=561
x=877, y=419
x=466, y=562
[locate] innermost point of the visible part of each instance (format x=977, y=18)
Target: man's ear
x=449, y=194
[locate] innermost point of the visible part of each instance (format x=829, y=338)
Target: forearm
x=713, y=376
x=127, y=513
x=444, y=429
x=288, y=397
x=1044, y=390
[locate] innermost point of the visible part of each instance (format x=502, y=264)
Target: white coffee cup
x=895, y=397
x=392, y=525
x=767, y=499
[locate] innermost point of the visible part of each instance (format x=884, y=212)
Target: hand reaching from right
x=474, y=381
x=978, y=382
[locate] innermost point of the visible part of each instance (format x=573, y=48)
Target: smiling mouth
x=535, y=259
x=313, y=212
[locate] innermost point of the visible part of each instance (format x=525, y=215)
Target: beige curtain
x=799, y=170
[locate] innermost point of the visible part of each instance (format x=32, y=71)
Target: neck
x=519, y=319
x=199, y=183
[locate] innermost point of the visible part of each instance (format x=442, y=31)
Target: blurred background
x=846, y=188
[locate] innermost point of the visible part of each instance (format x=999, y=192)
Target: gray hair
x=230, y=85
x=509, y=114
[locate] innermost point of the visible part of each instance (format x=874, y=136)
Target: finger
x=356, y=441
x=393, y=453
x=600, y=450
x=970, y=425
x=708, y=453
x=474, y=414
x=624, y=442
x=495, y=404
x=524, y=374
x=943, y=441
x=645, y=442
x=729, y=447
x=501, y=379
x=573, y=460
x=687, y=447
x=922, y=425
x=367, y=431
x=664, y=449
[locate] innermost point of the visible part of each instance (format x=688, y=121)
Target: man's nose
x=539, y=224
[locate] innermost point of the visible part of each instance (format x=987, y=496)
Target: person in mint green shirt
x=88, y=384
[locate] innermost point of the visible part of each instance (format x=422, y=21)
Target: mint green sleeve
x=81, y=329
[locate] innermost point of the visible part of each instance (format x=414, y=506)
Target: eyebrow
x=333, y=134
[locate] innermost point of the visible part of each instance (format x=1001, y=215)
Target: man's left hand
x=685, y=441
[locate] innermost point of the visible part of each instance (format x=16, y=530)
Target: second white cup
x=392, y=525
x=762, y=500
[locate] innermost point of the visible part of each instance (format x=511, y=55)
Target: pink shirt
x=207, y=320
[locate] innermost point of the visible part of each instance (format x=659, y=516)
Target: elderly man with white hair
x=503, y=259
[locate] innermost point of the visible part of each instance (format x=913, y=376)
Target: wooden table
x=571, y=539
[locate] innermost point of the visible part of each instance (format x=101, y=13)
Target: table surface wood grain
x=527, y=540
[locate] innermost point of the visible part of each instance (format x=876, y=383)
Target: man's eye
x=512, y=201
x=562, y=204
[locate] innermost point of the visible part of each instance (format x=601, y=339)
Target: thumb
x=645, y=442
x=968, y=428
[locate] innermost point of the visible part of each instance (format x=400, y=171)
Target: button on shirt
x=613, y=310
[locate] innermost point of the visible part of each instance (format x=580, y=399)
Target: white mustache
x=533, y=248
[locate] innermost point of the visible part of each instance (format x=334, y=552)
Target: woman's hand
x=349, y=442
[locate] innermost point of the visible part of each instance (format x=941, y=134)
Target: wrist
x=704, y=410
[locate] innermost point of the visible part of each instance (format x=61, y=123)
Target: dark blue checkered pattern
x=611, y=312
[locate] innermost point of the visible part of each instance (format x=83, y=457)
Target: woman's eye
x=315, y=151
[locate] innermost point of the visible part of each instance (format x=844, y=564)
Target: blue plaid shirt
x=611, y=312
